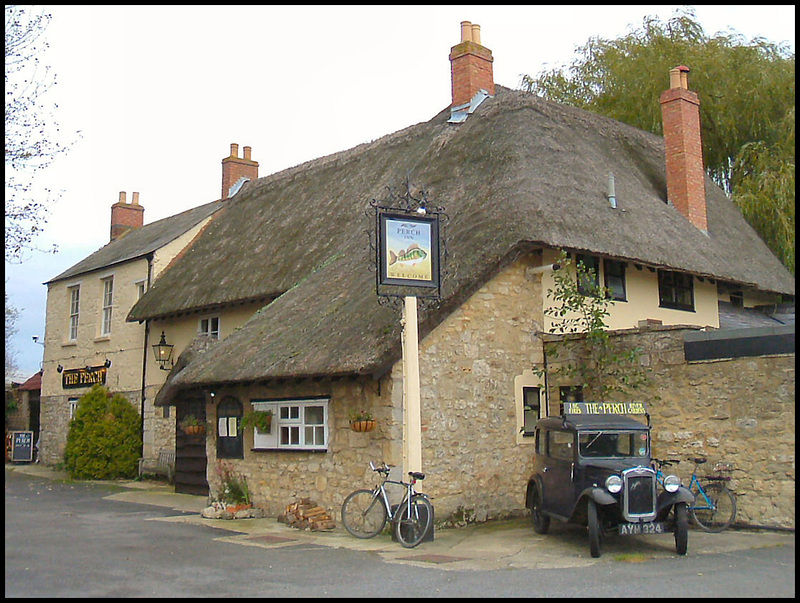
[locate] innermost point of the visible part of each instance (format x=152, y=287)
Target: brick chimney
x=125, y=216
x=470, y=66
x=235, y=168
x=680, y=112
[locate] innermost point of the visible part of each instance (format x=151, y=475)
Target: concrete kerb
x=498, y=544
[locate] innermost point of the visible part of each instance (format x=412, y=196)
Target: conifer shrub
x=104, y=439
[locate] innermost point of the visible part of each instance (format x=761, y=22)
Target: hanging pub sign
x=83, y=377
x=408, y=249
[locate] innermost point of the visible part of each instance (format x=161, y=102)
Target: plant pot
x=195, y=429
x=363, y=425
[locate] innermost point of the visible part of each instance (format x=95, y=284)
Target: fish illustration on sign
x=407, y=256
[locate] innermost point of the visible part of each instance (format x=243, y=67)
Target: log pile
x=305, y=514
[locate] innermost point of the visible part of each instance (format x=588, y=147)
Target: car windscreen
x=612, y=444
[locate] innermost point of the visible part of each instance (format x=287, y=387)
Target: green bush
x=104, y=440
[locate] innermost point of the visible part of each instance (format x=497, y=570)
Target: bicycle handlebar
x=384, y=468
x=665, y=463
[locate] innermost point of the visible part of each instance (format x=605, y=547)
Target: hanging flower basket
x=191, y=425
x=364, y=425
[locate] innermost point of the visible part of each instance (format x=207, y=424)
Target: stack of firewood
x=305, y=514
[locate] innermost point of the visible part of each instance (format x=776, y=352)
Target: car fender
x=533, y=482
x=668, y=499
x=598, y=495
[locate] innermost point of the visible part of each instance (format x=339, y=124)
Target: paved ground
x=493, y=545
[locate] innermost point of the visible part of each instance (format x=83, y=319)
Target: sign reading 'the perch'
x=409, y=250
x=22, y=447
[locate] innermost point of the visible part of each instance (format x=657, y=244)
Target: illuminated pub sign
x=83, y=377
x=409, y=249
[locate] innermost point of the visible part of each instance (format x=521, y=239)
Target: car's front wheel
x=541, y=523
x=595, y=529
x=681, y=528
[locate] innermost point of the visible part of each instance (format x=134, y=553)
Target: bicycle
x=714, y=507
x=364, y=512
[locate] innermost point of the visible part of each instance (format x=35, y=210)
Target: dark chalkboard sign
x=22, y=447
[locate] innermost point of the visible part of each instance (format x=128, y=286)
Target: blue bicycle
x=714, y=507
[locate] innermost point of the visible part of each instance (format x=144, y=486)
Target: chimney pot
x=247, y=151
x=466, y=31
x=122, y=196
x=135, y=199
x=476, y=34
x=234, y=150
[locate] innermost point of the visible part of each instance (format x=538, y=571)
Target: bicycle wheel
x=721, y=511
x=363, y=514
x=410, y=528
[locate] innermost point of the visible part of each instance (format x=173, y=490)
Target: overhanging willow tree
x=747, y=98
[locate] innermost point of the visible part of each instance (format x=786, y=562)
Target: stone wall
x=740, y=411
x=468, y=364
x=475, y=467
x=277, y=478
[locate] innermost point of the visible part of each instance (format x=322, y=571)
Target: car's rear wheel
x=541, y=523
x=681, y=528
x=595, y=529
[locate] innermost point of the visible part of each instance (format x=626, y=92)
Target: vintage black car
x=592, y=467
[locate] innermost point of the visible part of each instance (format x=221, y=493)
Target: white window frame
x=290, y=429
x=74, y=311
x=72, y=404
x=108, y=305
x=206, y=327
x=140, y=288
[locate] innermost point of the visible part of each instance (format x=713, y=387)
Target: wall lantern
x=163, y=352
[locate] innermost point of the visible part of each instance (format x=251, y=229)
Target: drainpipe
x=144, y=356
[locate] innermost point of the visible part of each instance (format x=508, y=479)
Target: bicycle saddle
x=416, y=475
x=698, y=460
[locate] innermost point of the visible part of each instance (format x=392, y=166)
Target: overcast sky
x=159, y=93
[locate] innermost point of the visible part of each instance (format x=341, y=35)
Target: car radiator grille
x=639, y=485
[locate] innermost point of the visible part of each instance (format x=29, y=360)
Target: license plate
x=656, y=527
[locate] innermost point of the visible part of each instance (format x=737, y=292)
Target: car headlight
x=672, y=483
x=614, y=484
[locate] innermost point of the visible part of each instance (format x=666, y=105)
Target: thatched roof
x=138, y=242
x=521, y=172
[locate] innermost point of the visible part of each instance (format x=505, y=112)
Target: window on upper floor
x=140, y=289
x=108, y=304
x=588, y=282
x=614, y=272
x=296, y=424
x=74, y=311
x=675, y=290
x=210, y=327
